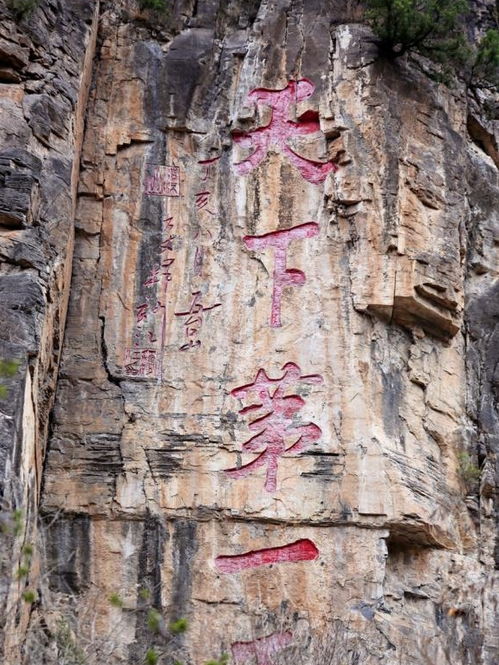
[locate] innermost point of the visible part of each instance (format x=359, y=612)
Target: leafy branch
x=8, y=369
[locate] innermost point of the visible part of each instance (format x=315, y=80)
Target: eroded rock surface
x=45, y=72
x=278, y=374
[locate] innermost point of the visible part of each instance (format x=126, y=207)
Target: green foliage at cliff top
x=431, y=27
x=435, y=29
x=486, y=65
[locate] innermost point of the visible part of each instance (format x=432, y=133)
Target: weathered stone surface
x=208, y=138
x=379, y=492
x=45, y=63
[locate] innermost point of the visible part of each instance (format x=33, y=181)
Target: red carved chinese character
x=262, y=649
x=141, y=314
x=167, y=224
x=159, y=305
x=164, y=181
x=301, y=550
x=202, y=200
x=283, y=276
x=141, y=362
x=195, y=319
x=167, y=244
x=274, y=411
x=165, y=269
x=191, y=344
x=208, y=165
x=281, y=129
x=153, y=277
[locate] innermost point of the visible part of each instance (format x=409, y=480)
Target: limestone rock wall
x=45, y=72
x=278, y=373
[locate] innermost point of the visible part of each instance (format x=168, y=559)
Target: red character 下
x=283, y=276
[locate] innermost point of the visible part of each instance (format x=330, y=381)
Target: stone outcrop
x=278, y=378
x=45, y=72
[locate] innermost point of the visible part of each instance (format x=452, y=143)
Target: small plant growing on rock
x=468, y=470
x=486, y=64
x=29, y=596
x=22, y=8
x=8, y=368
x=178, y=627
x=116, y=600
x=151, y=657
x=157, y=5
x=223, y=660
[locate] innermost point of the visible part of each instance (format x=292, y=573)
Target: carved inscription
x=162, y=180
x=141, y=362
x=301, y=550
x=280, y=130
x=273, y=419
x=282, y=276
x=207, y=165
x=194, y=321
x=262, y=649
x=150, y=316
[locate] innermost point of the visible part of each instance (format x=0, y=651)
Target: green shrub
x=116, y=600
x=158, y=5
x=431, y=27
x=22, y=571
x=468, y=470
x=154, y=620
x=151, y=657
x=486, y=64
x=29, y=596
x=179, y=626
x=8, y=368
x=22, y=7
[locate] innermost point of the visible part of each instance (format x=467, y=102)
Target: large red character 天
x=281, y=129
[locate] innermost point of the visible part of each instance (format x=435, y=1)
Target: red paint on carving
x=208, y=166
x=274, y=421
x=281, y=129
x=141, y=362
x=301, y=550
x=202, y=201
x=153, y=277
x=262, y=649
x=149, y=361
x=167, y=244
x=194, y=321
x=164, y=181
x=203, y=162
x=141, y=314
x=166, y=262
x=283, y=276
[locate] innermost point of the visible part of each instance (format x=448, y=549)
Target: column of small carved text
x=194, y=315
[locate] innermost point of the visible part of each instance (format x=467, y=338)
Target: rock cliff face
x=45, y=72
x=278, y=377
